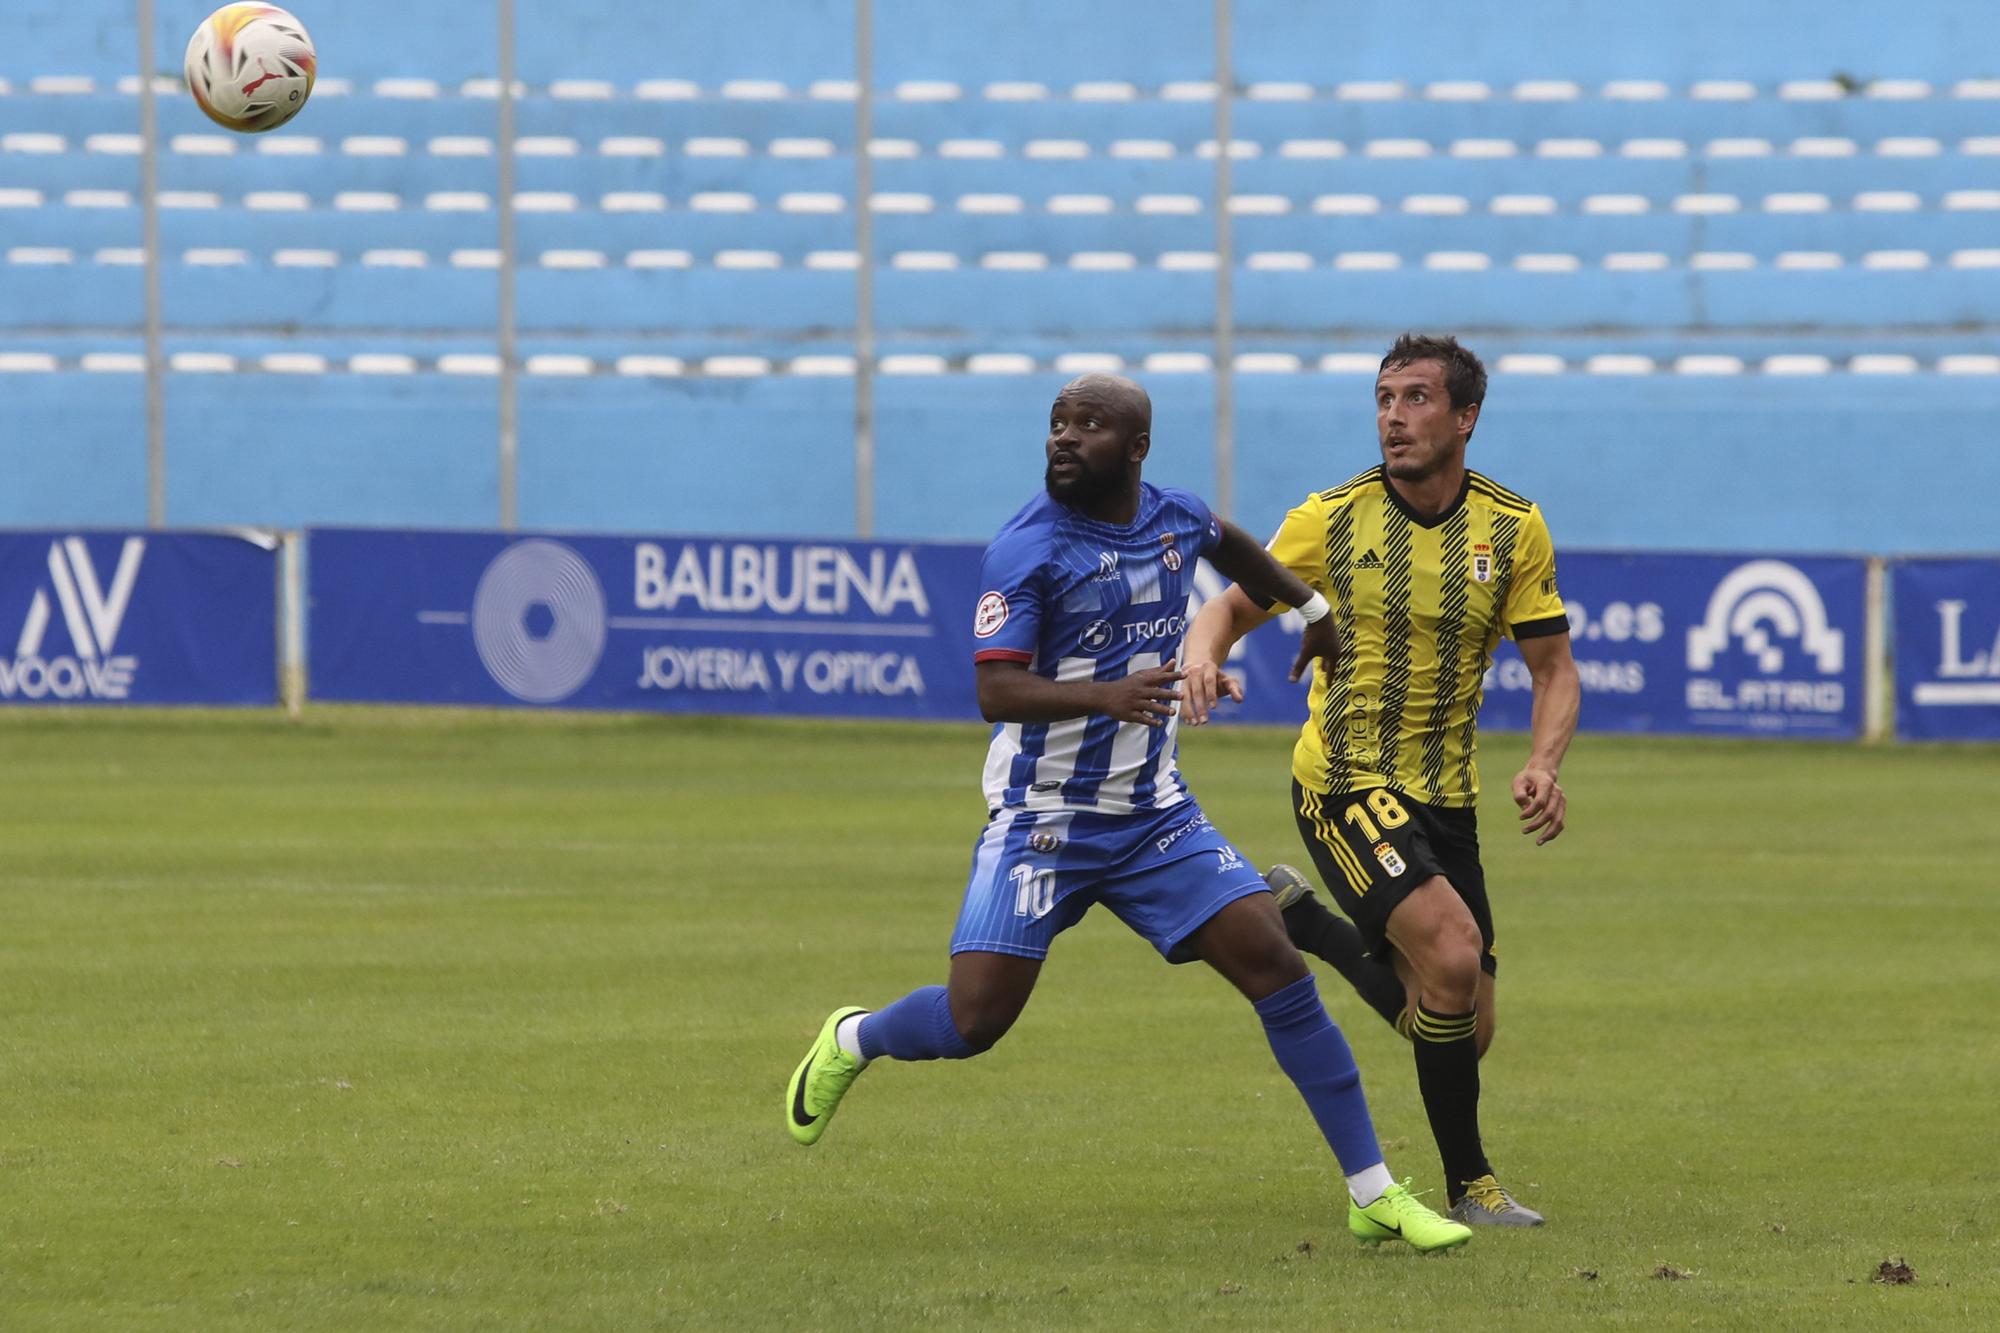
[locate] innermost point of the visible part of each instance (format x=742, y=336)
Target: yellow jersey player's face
x=1421, y=433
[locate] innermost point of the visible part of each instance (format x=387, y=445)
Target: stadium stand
x=1710, y=217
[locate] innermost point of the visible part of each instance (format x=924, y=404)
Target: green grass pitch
x=453, y=1020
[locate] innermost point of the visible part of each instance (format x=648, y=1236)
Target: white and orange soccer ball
x=251, y=67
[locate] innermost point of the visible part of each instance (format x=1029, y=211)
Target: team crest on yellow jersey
x=1391, y=862
x=1482, y=563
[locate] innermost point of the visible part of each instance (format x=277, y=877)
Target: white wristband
x=1314, y=608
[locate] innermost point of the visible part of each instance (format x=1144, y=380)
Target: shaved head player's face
x=1099, y=432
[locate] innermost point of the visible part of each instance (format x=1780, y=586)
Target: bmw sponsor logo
x=1096, y=635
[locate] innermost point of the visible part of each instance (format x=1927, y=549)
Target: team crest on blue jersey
x=1045, y=843
x=1096, y=635
x=1172, y=559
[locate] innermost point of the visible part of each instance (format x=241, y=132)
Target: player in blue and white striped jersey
x=1079, y=630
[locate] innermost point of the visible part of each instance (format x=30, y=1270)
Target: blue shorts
x=1034, y=875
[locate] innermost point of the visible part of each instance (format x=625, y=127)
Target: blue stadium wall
x=1839, y=461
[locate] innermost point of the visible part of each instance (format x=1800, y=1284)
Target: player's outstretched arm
x=1558, y=699
x=1009, y=692
x=1217, y=627
x=1239, y=556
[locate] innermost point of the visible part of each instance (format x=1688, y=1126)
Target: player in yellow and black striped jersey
x=1425, y=600
x=1426, y=566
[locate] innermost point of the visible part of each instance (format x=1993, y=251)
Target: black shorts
x=1373, y=847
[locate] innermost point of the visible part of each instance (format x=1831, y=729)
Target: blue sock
x=1315, y=1056
x=916, y=1027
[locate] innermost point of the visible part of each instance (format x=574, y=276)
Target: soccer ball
x=250, y=67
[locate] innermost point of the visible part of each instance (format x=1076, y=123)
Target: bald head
x=1123, y=399
x=1100, y=431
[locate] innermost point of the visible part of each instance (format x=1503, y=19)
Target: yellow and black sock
x=1317, y=931
x=1447, y=1052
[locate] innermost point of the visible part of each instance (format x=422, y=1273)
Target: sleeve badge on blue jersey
x=991, y=615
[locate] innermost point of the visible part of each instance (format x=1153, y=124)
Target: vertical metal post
x=291, y=624
x=1224, y=496
x=149, y=212
x=864, y=273
x=1874, y=669
x=510, y=441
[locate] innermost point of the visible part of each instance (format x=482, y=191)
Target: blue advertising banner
x=138, y=618
x=1707, y=644
x=666, y=624
x=1947, y=648
x=1663, y=643
x=1680, y=643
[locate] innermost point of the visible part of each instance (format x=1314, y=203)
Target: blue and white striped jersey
x=1076, y=599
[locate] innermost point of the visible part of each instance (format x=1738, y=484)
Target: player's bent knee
x=981, y=1024
x=982, y=1032
x=1450, y=974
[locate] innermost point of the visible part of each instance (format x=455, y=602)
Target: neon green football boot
x=820, y=1081
x=1398, y=1216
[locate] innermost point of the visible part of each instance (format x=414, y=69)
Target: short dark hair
x=1464, y=374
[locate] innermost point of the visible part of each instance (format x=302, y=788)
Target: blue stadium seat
x=971, y=235
x=331, y=119
x=712, y=299
x=74, y=116
x=1503, y=237
x=350, y=297
x=679, y=177
x=1842, y=177
x=1766, y=43
x=1610, y=122
x=1016, y=124
x=795, y=42
x=71, y=296
x=1302, y=303
x=82, y=231
x=1157, y=41
x=1852, y=298
x=57, y=173
x=322, y=177
x=755, y=122
x=1057, y=301
x=347, y=234
x=703, y=235
x=1850, y=234
x=1124, y=181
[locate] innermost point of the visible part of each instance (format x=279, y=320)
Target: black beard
x=1081, y=491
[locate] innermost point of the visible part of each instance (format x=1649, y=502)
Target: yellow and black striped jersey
x=1421, y=604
